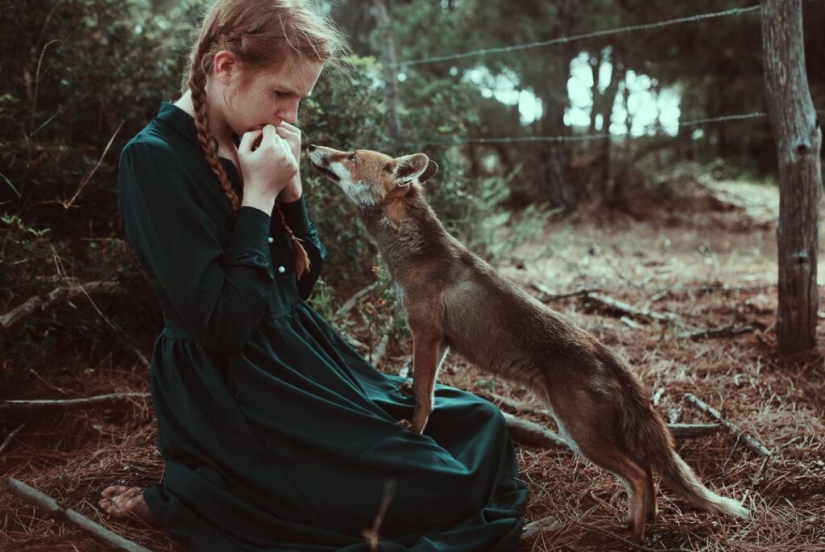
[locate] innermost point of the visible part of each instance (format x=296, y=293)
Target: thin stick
x=88, y=402
x=724, y=331
x=89, y=176
x=35, y=497
x=740, y=434
x=372, y=535
x=7, y=442
x=547, y=294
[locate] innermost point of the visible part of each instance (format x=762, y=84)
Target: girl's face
x=267, y=98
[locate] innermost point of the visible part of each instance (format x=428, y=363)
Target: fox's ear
x=410, y=167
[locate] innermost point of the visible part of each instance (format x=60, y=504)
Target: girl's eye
x=351, y=157
x=280, y=94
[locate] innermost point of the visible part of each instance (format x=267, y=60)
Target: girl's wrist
x=292, y=192
x=265, y=203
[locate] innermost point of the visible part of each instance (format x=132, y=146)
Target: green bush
x=89, y=75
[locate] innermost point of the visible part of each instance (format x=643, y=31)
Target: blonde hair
x=263, y=35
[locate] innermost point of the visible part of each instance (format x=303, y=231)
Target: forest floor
x=703, y=258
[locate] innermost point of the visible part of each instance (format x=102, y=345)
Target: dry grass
x=707, y=257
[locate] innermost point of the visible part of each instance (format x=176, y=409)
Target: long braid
x=197, y=83
x=299, y=254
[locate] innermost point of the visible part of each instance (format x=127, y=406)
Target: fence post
x=798, y=141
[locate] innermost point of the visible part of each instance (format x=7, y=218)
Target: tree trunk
x=556, y=181
x=390, y=70
x=798, y=140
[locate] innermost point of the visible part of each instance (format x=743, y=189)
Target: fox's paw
x=406, y=387
x=406, y=424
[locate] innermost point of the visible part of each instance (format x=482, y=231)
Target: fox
x=454, y=300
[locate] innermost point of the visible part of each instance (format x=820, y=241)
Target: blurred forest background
x=80, y=77
x=614, y=145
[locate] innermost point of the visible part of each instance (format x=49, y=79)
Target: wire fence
x=567, y=39
x=589, y=35
x=592, y=136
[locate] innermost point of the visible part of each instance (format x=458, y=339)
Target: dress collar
x=179, y=120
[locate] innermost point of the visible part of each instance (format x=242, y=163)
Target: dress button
x=269, y=239
x=281, y=269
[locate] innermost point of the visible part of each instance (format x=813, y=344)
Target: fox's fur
x=453, y=299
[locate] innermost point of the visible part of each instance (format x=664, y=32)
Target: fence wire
x=574, y=38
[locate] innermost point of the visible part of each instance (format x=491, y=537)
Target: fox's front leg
x=429, y=351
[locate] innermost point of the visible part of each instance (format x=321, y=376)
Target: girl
x=275, y=434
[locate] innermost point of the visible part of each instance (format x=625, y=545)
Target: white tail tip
x=732, y=507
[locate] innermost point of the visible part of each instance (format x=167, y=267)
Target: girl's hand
x=267, y=165
x=292, y=135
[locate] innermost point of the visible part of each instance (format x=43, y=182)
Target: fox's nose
x=311, y=147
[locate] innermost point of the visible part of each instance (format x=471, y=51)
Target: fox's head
x=369, y=178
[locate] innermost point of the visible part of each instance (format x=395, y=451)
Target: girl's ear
x=410, y=167
x=225, y=66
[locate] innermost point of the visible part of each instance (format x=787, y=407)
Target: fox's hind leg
x=585, y=421
x=651, y=506
x=634, y=479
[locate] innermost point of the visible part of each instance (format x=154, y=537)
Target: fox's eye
x=351, y=157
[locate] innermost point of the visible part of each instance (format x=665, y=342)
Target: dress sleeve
x=219, y=293
x=296, y=216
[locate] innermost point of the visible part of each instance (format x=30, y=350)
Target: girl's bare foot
x=120, y=501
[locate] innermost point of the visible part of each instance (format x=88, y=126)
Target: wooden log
x=36, y=498
x=740, y=434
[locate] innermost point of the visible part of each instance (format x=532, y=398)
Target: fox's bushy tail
x=678, y=476
x=650, y=443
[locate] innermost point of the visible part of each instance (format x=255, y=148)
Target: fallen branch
x=35, y=497
x=65, y=293
x=352, y=301
x=628, y=309
x=679, y=431
x=740, y=434
x=548, y=295
x=549, y=523
x=88, y=402
x=725, y=331
x=380, y=350
x=531, y=433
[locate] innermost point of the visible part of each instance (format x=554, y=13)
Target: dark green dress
x=276, y=434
